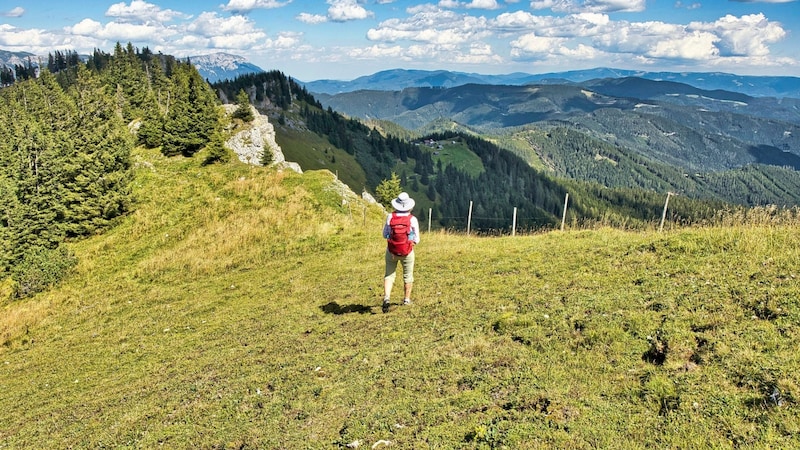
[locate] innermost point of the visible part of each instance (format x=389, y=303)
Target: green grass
x=240, y=308
x=457, y=154
x=313, y=153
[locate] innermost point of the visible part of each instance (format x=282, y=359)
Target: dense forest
x=65, y=149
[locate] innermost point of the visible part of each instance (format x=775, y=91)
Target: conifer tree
x=388, y=190
x=39, y=138
x=243, y=111
x=193, y=117
x=97, y=173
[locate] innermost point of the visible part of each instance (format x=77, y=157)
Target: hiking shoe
x=385, y=307
x=406, y=301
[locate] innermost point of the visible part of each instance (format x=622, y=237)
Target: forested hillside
x=65, y=146
x=621, y=133
x=505, y=182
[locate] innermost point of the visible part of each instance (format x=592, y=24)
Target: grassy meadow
x=239, y=308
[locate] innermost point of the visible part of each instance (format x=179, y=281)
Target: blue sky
x=344, y=39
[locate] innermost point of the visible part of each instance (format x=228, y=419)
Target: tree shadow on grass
x=335, y=308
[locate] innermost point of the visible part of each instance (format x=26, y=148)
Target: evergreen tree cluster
x=65, y=170
x=65, y=148
x=273, y=87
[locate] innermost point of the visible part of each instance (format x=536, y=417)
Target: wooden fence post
x=430, y=212
x=469, y=218
x=664, y=214
x=564, y=215
x=514, y=223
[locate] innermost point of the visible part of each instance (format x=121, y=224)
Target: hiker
x=401, y=232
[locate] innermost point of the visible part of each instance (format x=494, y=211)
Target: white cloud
x=86, y=27
x=209, y=24
x=518, y=21
x=743, y=36
x=479, y=53
x=141, y=11
x=311, y=19
x=15, y=12
x=697, y=46
x=451, y=4
x=245, y=6
x=546, y=4
x=287, y=40
x=345, y=10
x=377, y=52
x=11, y=36
x=531, y=44
x=571, y=26
x=483, y=4
x=597, y=6
x=437, y=26
x=118, y=31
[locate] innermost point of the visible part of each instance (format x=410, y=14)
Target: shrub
x=41, y=268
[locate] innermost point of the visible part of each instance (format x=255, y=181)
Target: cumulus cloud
x=13, y=37
x=531, y=44
x=377, y=52
x=431, y=26
x=743, y=36
x=118, y=31
x=211, y=24
x=141, y=11
x=338, y=11
x=573, y=25
x=696, y=45
x=482, y=4
x=245, y=6
x=599, y=6
x=14, y=12
x=311, y=19
x=345, y=10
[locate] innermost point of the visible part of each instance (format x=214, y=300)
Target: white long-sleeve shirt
x=387, y=230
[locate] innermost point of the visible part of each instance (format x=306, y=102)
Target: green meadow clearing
x=239, y=308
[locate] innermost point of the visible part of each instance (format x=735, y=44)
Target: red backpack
x=398, y=241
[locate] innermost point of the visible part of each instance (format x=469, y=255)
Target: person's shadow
x=335, y=308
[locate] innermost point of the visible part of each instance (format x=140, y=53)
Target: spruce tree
x=243, y=111
x=98, y=173
x=388, y=190
x=193, y=116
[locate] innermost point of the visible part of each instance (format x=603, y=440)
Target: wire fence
x=757, y=216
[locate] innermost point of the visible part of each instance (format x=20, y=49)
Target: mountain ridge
x=397, y=79
x=220, y=66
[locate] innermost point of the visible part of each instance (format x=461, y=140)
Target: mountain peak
x=220, y=66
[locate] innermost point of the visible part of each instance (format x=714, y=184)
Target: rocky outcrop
x=251, y=143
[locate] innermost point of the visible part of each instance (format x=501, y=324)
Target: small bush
x=41, y=268
x=8, y=287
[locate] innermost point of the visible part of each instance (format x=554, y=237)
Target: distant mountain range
x=223, y=66
x=675, y=123
x=220, y=66
x=10, y=59
x=398, y=79
x=213, y=67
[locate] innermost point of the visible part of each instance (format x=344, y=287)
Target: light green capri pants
x=391, y=267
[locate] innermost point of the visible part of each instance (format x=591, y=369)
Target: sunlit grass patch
x=240, y=307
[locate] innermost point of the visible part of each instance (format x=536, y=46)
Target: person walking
x=401, y=231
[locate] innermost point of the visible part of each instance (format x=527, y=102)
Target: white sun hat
x=403, y=202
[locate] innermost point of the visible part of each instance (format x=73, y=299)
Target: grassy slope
x=239, y=308
x=313, y=153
